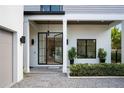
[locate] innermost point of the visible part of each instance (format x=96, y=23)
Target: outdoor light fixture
x=67, y=41
x=48, y=32
x=32, y=41
x=48, y=29
x=22, y=39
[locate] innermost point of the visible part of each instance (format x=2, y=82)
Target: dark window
x=45, y=8
x=56, y=8
x=86, y=48
x=51, y=8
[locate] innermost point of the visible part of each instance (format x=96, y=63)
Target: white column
x=108, y=58
x=26, y=47
x=122, y=43
x=64, y=46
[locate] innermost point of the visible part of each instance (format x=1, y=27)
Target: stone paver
x=54, y=78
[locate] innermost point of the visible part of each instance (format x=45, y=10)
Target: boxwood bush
x=97, y=69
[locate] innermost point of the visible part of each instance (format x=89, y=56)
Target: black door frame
x=61, y=46
x=46, y=46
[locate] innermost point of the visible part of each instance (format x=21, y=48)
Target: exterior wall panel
x=93, y=9
x=84, y=8
x=32, y=8
x=98, y=32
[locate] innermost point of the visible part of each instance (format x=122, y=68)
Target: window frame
x=50, y=8
x=41, y=8
x=86, y=49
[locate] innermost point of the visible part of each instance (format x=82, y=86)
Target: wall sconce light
x=48, y=32
x=67, y=41
x=32, y=41
x=22, y=39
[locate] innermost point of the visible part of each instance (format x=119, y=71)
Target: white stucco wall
x=98, y=32
x=11, y=17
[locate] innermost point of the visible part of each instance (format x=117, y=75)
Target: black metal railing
x=116, y=56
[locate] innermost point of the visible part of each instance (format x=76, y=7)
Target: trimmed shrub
x=97, y=69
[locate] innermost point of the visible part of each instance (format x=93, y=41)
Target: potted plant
x=102, y=55
x=72, y=54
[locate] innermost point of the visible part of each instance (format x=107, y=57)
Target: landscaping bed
x=97, y=69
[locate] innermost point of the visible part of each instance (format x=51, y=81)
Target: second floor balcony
x=46, y=9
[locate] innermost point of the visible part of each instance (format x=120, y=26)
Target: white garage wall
x=11, y=17
x=34, y=29
x=98, y=32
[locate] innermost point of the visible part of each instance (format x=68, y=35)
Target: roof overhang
x=44, y=13
x=91, y=22
x=75, y=22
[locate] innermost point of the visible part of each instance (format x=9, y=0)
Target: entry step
x=46, y=69
x=54, y=67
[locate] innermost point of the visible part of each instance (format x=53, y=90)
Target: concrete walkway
x=54, y=78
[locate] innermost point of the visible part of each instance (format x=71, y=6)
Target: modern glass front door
x=50, y=48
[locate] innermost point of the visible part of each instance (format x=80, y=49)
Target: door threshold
x=47, y=66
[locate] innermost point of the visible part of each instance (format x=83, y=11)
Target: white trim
x=64, y=46
x=78, y=17
x=122, y=42
x=114, y=23
x=95, y=17
x=15, y=74
x=26, y=51
x=44, y=17
x=6, y=29
x=88, y=77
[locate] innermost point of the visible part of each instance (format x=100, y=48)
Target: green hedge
x=97, y=70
